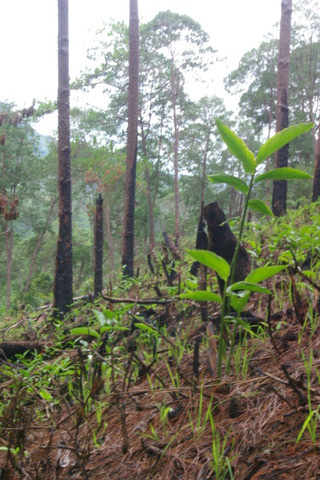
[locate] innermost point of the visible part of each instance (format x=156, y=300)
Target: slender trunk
x=106, y=213
x=150, y=208
x=63, y=289
x=133, y=112
x=39, y=243
x=175, y=88
x=9, y=247
x=279, y=198
x=98, y=242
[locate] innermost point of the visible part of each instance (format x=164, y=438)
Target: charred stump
x=223, y=242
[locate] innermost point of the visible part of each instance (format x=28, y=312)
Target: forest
x=159, y=286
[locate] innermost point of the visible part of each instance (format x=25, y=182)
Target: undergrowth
x=127, y=389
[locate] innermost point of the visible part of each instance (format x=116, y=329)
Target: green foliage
x=250, y=165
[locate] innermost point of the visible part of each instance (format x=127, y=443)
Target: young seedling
x=236, y=295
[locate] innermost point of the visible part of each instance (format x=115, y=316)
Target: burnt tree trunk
x=133, y=112
x=279, y=197
x=9, y=248
x=98, y=237
x=223, y=242
x=63, y=289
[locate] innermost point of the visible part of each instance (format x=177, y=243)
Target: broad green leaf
x=109, y=314
x=283, y=173
x=84, y=331
x=259, y=206
x=262, y=273
x=250, y=287
x=202, y=296
x=280, y=139
x=46, y=395
x=235, y=182
x=100, y=317
x=113, y=328
x=238, y=302
x=146, y=328
x=213, y=261
x=237, y=147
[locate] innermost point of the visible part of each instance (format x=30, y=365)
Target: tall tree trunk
x=9, y=247
x=150, y=209
x=98, y=243
x=63, y=289
x=131, y=162
x=176, y=127
x=316, y=177
x=279, y=197
x=38, y=244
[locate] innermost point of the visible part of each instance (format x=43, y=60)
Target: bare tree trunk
x=316, y=177
x=150, y=208
x=9, y=247
x=63, y=289
x=133, y=112
x=39, y=243
x=279, y=197
x=98, y=242
x=175, y=88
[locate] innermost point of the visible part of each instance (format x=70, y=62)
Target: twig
x=302, y=398
x=147, y=301
x=284, y=399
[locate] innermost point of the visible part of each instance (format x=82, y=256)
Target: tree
x=63, y=288
x=131, y=163
x=279, y=196
x=17, y=161
x=200, y=146
x=255, y=80
x=183, y=46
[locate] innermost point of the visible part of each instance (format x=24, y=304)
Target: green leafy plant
x=220, y=463
x=236, y=295
x=312, y=420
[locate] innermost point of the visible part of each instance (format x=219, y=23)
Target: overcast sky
x=28, y=35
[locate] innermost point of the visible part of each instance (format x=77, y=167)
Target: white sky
x=28, y=36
